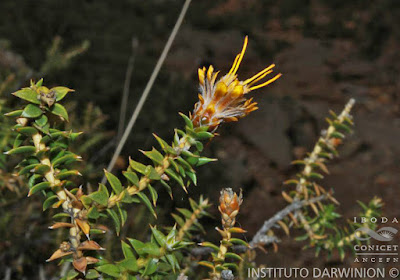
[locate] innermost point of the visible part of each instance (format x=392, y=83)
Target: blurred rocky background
x=328, y=51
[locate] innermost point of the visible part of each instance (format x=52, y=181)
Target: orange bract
x=224, y=100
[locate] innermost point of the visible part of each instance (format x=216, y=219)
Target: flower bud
x=229, y=205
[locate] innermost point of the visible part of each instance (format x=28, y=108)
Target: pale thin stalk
x=148, y=87
x=268, y=224
x=125, y=92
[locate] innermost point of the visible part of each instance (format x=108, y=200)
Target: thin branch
x=148, y=87
x=296, y=205
x=125, y=93
x=261, y=236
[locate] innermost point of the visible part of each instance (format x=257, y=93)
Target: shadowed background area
x=328, y=52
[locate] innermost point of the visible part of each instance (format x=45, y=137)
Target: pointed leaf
x=28, y=94
x=60, y=110
x=39, y=187
x=115, y=219
x=100, y=196
x=147, y=202
x=114, y=182
x=31, y=111
x=132, y=177
x=154, y=155
x=109, y=269
x=61, y=92
x=22, y=150
x=127, y=250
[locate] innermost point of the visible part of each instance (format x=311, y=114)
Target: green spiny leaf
x=231, y=266
x=49, y=202
x=26, y=130
x=192, y=177
x=15, y=113
x=153, y=194
x=154, y=155
x=115, y=219
x=66, y=173
x=18, y=140
x=39, y=187
x=233, y=256
x=167, y=187
x=147, y=202
x=239, y=242
x=131, y=176
x=203, y=135
x=337, y=134
x=41, y=169
x=92, y=274
x=210, y=245
x=174, y=176
x=188, y=122
x=27, y=94
x=129, y=264
x=204, y=160
x=100, y=196
x=59, y=110
x=22, y=150
x=342, y=126
x=150, y=267
x=39, y=83
x=31, y=111
x=27, y=169
x=61, y=92
x=151, y=173
x=67, y=158
x=186, y=213
x=114, y=182
x=178, y=219
x=136, y=244
x=206, y=264
x=72, y=274
x=42, y=121
x=159, y=236
x=93, y=213
x=109, y=269
x=123, y=214
x=127, y=250
x=141, y=168
x=173, y=262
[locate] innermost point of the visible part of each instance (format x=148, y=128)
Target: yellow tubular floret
x=201, y=76
x=209, y=72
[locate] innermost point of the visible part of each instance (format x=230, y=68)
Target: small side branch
x=259, y=237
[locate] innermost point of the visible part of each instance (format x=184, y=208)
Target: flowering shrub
x=50, y=170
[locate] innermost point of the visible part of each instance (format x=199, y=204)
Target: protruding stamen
x=259, y=74
x=267, y=82
x=239, y=58
x=233, y=65
x=261, y=77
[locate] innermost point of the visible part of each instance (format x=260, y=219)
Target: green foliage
x=173, y=163
x=49, y=165
x=319, y=219
x=341, y=238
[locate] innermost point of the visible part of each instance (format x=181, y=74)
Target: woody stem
x=74, y=232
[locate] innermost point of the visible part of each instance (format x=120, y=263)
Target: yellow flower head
x=224, y=100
